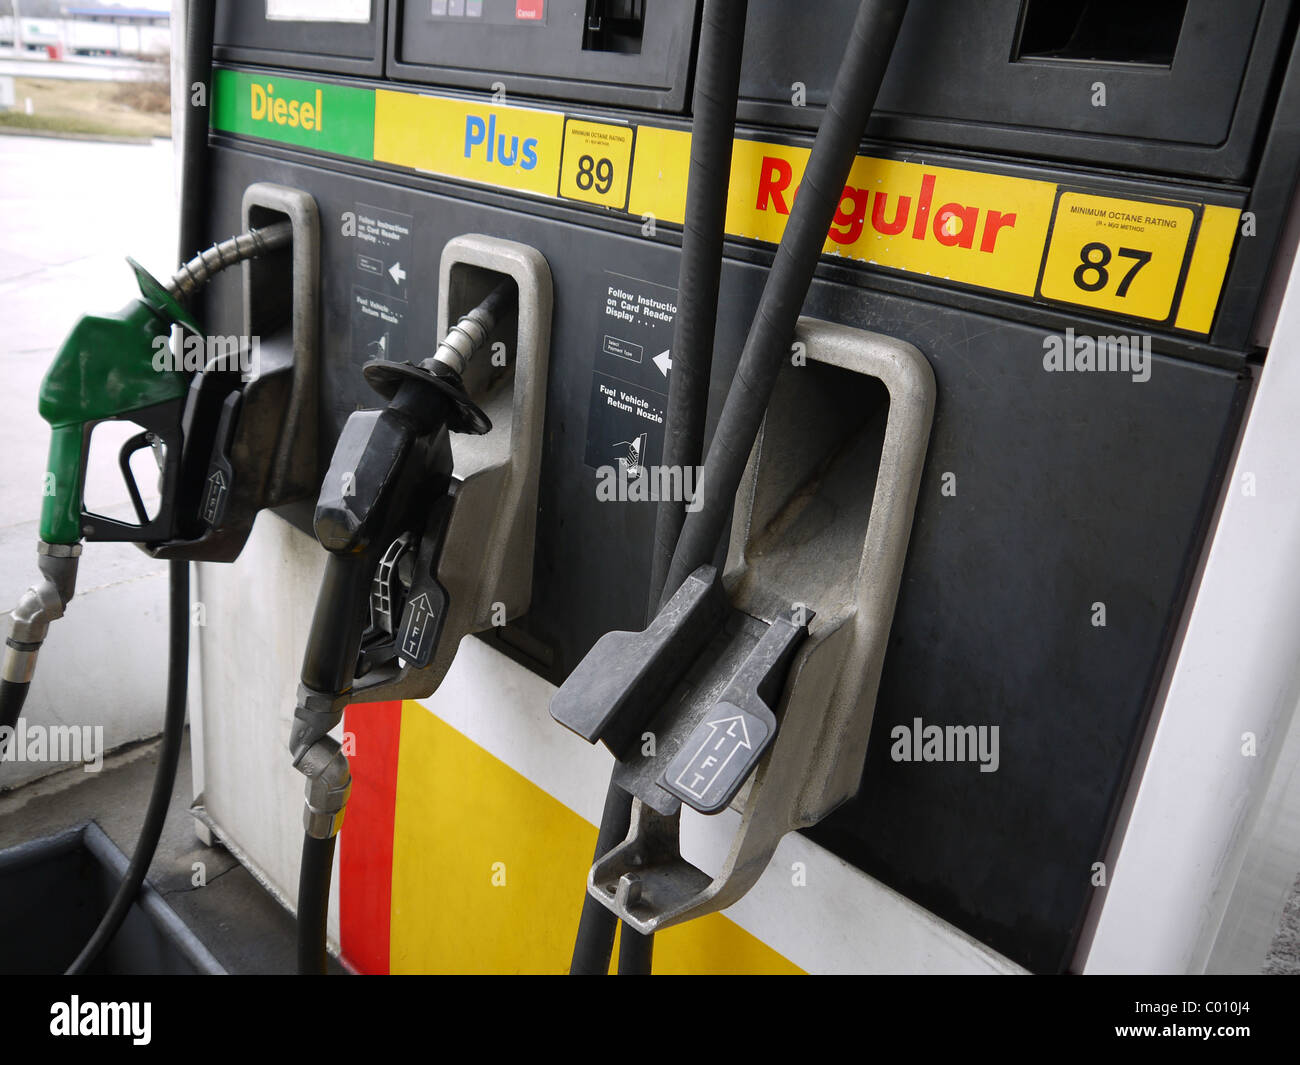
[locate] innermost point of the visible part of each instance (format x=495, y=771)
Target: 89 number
x=597, y=174
x=1091, y=274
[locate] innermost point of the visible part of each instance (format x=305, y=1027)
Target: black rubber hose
x=596, y=927
x=169, y=756
x=500, y=301
x=314, y=904
x=866, y=56
x=12, y=696
x=635, y=953
x=200, y=29
x=713, y=131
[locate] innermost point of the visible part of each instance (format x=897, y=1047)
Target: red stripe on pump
x=372, y=732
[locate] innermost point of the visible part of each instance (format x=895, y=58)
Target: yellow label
x=597, y=163
x=659, y=172
x=1208, y=268
x=1117, y=255
x=980, y=229
x=508, y=147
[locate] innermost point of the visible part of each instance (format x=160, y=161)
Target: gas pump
x=892, y=532
x=954, y=351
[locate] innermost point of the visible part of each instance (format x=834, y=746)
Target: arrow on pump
x=416, y=627
x=664, y=361
x=724, y=738
x=212, y=501
x=397, y=273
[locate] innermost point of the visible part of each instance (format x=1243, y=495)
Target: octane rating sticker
x=597, y=163
x=1124, y=256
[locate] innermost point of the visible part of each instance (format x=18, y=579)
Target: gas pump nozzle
x=117, y=368
x=382, y=509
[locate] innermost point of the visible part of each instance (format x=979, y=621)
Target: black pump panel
x=1168, y=85
x=634, y=53
x=1063, y=509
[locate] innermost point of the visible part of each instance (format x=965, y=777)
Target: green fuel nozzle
x=107, y=369
x=116, y=368
x=112, y=367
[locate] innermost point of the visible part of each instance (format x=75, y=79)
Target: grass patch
x=55, y=124
x=126, y=109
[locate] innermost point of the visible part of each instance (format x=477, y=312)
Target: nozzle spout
x=41, y=604
x=464, y=339
x=203, y=267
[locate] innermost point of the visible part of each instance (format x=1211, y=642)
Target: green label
x=309, y=114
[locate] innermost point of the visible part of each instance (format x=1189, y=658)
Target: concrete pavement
x=70, y=212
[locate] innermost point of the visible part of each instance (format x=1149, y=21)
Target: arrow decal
x=212, y=501
x=724, y=738
x=417, y=628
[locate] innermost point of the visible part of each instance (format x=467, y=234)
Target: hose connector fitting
x=42, y=603
x=329, y=783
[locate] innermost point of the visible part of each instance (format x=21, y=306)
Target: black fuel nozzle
x=356, y=496
x=388, y=484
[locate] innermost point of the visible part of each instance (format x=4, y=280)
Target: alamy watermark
x=919, y=742
x=196, y=354
x=1073, y=353
x=77, y=1018
x=631, y=483
x=53, y=743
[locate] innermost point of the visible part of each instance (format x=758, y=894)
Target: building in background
x=113, y=31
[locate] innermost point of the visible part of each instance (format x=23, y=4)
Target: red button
x=530, y=10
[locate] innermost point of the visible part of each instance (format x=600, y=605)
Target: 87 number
x=1091, y=274
x=599, y=174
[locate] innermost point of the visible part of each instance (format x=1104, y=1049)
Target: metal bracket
x=627, y=677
